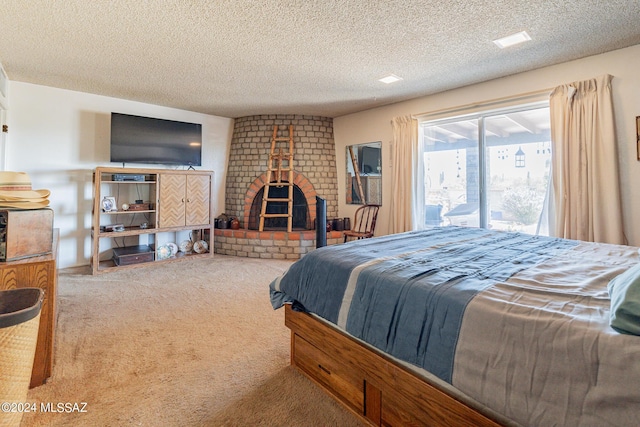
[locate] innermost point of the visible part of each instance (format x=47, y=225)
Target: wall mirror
x=364, y=173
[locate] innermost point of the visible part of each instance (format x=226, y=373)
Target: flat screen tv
x=136, y=139
x=370, y=157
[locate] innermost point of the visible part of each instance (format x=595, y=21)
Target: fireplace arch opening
x=301, y=214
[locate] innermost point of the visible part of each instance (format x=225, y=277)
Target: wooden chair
x=364, y=223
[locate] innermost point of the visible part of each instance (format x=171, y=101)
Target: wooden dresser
x=40, y=272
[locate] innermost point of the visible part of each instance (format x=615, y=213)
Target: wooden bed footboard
x=376, y=388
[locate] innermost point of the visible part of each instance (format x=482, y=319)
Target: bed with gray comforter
x=517, y=322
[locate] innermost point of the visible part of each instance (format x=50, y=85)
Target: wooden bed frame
x=376, y=388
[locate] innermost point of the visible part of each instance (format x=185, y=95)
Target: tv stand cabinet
x=164, y=206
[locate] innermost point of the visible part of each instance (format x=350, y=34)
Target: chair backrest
x=365, y=219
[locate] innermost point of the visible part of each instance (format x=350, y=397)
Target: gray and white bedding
x=519, y=323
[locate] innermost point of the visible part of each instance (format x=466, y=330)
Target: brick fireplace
x=314, y=175
x=304, y=204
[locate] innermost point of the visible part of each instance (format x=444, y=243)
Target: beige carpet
x=192, y=343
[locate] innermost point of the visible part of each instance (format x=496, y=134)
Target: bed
x=466, y=326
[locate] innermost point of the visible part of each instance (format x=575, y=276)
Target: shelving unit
x=180, y=208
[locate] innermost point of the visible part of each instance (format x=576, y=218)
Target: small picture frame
x=109, y=204
x=638, y=136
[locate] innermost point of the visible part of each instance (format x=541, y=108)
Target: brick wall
x=314, y=157
x=270, y=244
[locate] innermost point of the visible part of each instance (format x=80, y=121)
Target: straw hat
x=16, y=192
x=25, y=205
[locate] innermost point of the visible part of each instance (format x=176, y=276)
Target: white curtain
x=585, y=202
x=407, y=199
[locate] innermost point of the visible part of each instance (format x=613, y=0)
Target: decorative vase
x=347, y=223
x=235, y=224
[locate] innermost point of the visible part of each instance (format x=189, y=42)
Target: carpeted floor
x=192, y=343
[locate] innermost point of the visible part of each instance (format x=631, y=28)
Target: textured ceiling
x=235, y=58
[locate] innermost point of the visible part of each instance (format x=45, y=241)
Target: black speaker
x=321, y=221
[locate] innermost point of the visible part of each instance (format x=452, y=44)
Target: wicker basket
x=19, y=322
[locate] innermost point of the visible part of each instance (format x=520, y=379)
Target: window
x=489, y=169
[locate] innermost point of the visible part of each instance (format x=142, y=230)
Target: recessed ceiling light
x=513, y=39
x=391, y=78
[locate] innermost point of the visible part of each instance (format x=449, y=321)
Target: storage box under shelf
x=129, y=255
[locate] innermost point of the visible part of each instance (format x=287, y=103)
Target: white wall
x=59, y=136
x=623, y=65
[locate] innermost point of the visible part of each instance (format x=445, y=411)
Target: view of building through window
x=505, y=187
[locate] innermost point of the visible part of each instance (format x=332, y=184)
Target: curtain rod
x=485, y=103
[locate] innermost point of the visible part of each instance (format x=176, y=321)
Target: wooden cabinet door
x=172, y=200
x=198, y=199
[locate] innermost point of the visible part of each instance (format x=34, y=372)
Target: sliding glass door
x=488, y=170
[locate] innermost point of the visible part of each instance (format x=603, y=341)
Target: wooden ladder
x=356, y=172
x=276, y=166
